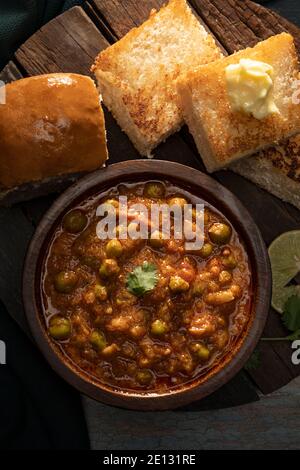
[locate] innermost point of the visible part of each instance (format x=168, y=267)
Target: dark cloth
x=19, y=19
x=38, y=410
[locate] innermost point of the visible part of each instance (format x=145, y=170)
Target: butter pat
x=250, y=86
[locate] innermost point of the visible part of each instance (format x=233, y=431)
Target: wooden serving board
x=70, y=43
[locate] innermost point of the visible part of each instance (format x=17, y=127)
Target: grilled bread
x=223, y=135
x=137, y=75
x=276, y=169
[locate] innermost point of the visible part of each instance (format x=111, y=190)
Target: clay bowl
x=212, y=192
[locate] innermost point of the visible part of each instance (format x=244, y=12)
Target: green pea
x=220, y=233
x=144, y=377
x=154, y=190
x=97, y=340
x=202, y=352
x=156, y=240
x=114, y=249
x=177, y=284
x=206, y=250
x=159, y=328
x=59, y=327
x=75, y=221
x=108, y=268
x=65, y=282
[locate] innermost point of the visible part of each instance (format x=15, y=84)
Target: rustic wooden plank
x=122, y=16
x=10, y=73
x=241, y=24
x=69, y=43
x=96, y=17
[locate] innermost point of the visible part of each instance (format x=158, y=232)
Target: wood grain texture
x=70, y=43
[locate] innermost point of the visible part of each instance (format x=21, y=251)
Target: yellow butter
x=249, y=86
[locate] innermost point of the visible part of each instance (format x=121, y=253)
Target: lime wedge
x=284, y=254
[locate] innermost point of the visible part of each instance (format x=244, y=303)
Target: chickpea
x=59, y=327
x=65, y=282
x=177, y=284
x=154, y=190
x=75, y=221
x=220, y=233
x=108, y=268
x=159, y=328
x=100, y=292
x=97, y=340
x=114, y=249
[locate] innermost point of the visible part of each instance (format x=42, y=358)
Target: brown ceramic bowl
x=212, y=192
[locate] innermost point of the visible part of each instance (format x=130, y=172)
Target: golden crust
x=50, y=125
x=225, y=135
x=142, y=69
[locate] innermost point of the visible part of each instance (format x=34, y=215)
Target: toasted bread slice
x=276, y=169
x=136, y=76
x=223, y=135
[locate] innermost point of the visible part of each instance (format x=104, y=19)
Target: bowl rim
x=224, y=201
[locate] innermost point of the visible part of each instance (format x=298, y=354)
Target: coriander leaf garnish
x=142, y=279
x=291, y=315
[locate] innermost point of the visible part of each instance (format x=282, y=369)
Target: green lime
x=284, y=254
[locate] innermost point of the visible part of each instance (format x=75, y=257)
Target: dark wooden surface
x=70, y=43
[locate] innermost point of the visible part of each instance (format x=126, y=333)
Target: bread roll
x=51, y=128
